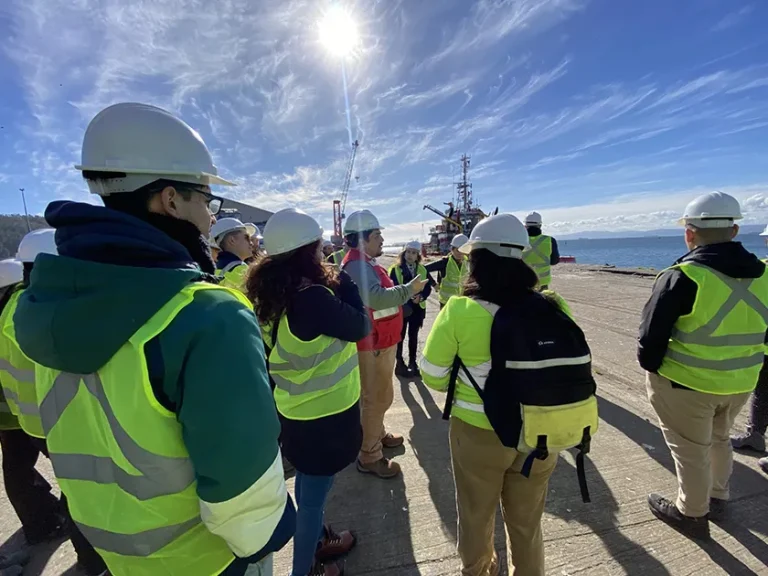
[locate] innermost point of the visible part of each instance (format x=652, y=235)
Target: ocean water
x=653, y=252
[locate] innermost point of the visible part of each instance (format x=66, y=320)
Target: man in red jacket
x=376, y=352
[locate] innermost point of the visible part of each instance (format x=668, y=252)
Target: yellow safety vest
x=7, y=420
x=233, y=276
x=719, y=347
x=17, y=374
x=120, y=458
x=450, y=284
x=421, y=271
x=539, y=257
x=338, y=257
x=312, y=379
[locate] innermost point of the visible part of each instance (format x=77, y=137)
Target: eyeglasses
x=214, y=203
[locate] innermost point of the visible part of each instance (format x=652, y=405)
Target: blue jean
x=311, y=494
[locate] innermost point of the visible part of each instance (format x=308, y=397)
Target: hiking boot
x=383, y=468
x=718, y=508
x=413, y=368
x=392, y=440
x=400, y=368
x=763, y=463
x=750, y=439
x=666, y=511
x=334, y=545
x=326, y=569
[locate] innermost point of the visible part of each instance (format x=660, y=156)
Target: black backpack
x=540, y=393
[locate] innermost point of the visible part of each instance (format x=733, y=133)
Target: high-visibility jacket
x=421, y=271
x=120, y=458
x=450, y=284
x=338, y=257
x=387, y=323
x=233, y=275
x=7, y=420
x=312, y=379
x=463, y=328
x=719, y=347
x=17, y=374
x=538, y=256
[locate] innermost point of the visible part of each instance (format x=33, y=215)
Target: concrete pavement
x=407, y=526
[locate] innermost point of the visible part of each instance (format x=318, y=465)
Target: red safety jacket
x=387, y=323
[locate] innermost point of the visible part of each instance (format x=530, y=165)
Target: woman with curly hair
x=312, y=316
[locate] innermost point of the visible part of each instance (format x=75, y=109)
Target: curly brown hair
x=273, y=281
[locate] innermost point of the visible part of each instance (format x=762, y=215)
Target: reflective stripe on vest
x=450, y=284
x=386, y=312
x=17, y=374
x=538, y=256
x=313, y=379
x=114, y=448
x=728, y=362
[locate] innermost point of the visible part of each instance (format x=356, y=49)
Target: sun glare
x=338, y=32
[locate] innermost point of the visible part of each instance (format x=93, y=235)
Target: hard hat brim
x=204, y=178
x=505, y=251
x=708, y=222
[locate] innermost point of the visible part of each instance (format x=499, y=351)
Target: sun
x=338, y=32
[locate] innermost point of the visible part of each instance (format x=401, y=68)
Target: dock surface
x=407, y=526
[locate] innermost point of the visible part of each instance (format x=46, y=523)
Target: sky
x=601, y=115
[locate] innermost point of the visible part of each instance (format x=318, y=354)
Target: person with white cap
x=384, y=301
x=753, y=438
x=451, y=270
x=312, y=317
x=500, y=296
x=701, y=343
x=327, y=248
x=543, y=253
x=407, y=267
x=122, y=326
x=28, y=491
x=234, y=241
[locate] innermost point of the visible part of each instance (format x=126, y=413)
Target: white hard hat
x=40, y=241
x=361, y=221
x=764, y=232
x=147, y=144
x=327, y=243
x=713, y=210
x=459, y=240
x=288, y=230
x=533, y=219
x=224, y=226
x=502, y=234
x=256, y=231
x=413, y=245
x=11, y=272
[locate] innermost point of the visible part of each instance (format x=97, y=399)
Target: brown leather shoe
x=383, y=468
x=392, y=440
x=334, y=545
x=326, y=569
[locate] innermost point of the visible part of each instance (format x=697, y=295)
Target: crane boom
x=340, y=205
x=442, y=215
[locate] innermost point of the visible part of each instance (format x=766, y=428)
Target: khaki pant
x=696, y=427
x=377, y=392
x=486, y=473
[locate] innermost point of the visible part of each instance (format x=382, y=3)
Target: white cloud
x=733, y=19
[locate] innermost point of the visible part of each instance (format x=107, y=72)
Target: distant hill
x=12, y=229
x=598, y=234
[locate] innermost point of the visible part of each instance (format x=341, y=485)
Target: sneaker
x=392, y=440
x=413, y=368
x=326, y=569
x=763, y=463
x=666, y=511
x=750, y=439
x=18, y=558
x=383, y=468
x=334, y=545
x=718, y=508
x=400, y=368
